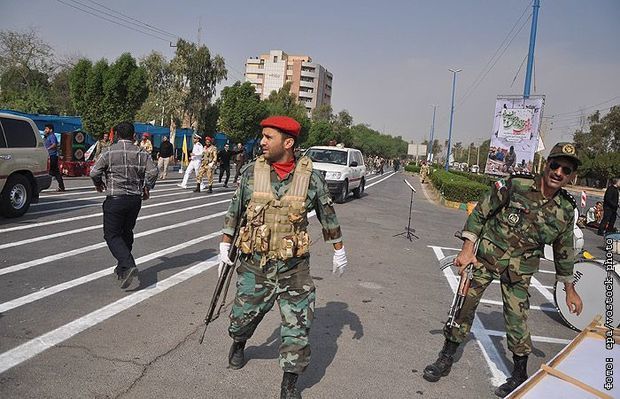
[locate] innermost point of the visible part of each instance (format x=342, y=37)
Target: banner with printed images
x=514, y=139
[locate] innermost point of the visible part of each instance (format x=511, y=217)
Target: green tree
x=26, y=65
x=195, y=74
x=599, y=146
x=320, y=133
x=105, y=95
x=241, y=111
x=322, y=113
x=282, y=102
x=124, y=90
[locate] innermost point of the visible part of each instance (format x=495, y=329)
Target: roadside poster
x=514, y=138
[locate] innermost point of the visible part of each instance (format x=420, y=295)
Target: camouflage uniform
x=513, y=223
x=208, y=156
x=287, y=282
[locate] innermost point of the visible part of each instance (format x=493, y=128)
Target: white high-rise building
x=310, y=82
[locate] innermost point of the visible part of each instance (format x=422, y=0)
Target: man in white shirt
x=195, y=160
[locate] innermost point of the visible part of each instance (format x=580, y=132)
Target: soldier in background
x=102, y=145
x=512, y=224
x=239, y=160
x=194, y=162
x=424, y=170
x=274, y=197
x=209, y=158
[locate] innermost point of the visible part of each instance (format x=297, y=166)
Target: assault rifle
x=223, y=282
x=463, y=288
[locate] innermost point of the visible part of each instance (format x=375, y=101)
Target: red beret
x=283, y=123
x=209, y=139
x=147, y=134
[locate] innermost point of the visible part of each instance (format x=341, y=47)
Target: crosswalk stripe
x=29, y=349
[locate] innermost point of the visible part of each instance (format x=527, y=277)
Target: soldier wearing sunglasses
x=512, y=224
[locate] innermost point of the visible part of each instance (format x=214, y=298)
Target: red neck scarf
x=283, y=168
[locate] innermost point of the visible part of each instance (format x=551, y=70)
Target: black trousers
x=119, y=218
x=224, y=169
x=55, y=172
x=609, y=220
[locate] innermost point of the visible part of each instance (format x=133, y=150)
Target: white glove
x=340, y=261
x=224, y=259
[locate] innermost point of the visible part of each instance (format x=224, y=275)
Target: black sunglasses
x=567, y=170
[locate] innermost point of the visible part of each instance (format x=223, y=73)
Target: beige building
x=310, y=82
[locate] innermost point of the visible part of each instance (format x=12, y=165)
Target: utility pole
x=430, y=144
x=454, y=72
x=530, y=54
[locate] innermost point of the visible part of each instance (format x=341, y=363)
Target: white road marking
x=92, y=215
x=37, y=345
x=98, y=203
x=95, y=197
x=95, y=227
x=35, y=296
x=543, y=286
x=85, y=190
x=30, y=349
x=79, y=251
x=535, y=338
x=385, y=178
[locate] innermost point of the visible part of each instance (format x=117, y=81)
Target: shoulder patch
x=569, y=197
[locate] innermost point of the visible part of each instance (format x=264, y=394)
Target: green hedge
x=482, y=179
x=412, y=168
x=458, y=188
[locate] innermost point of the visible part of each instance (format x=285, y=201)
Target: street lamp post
x=429, y=158
x=454, y=72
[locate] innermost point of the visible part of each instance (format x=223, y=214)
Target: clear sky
x=390, y=59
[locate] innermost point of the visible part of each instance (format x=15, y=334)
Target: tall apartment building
x=310, y=82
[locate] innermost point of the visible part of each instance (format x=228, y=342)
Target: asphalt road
x=68, y=331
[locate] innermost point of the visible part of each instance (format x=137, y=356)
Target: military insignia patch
x=500, y=184
x=568, y=149
x=513, y=218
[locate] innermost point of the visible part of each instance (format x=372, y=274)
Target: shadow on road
x=148, y=276
x=328, y=325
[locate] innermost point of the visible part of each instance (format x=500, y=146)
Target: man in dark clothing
x=164, y=156
x=51, y=144
x=224, y=157
x=610, y=208
x=129, y=174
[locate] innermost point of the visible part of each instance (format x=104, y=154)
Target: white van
x=344, y=170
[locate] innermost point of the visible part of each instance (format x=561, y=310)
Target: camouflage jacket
x=209, y=155
x=317, y=199
x=515, y=221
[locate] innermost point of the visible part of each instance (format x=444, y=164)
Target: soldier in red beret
x=271, y=205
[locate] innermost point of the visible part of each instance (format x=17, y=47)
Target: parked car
x=24, y=165
x=344, y=170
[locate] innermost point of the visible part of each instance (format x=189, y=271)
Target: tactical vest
x=274, y=228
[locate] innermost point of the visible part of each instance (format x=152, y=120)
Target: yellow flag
x=185, y=160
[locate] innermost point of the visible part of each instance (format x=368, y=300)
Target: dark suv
x=24, y=165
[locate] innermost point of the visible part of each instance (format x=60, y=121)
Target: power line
x=148, y=26
x=113, y=21
x=584, y=108
x=124, y=24
x=474, y=87
x=480, y=76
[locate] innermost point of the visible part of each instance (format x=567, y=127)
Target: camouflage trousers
x=205, y=171
x=516, y=304
x=293, y=289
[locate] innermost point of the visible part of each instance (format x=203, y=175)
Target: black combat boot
x=518, y=377
x=442, y=366
x=197, y=189
x=236, y=359
x=210, y=189
x=288, y=388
